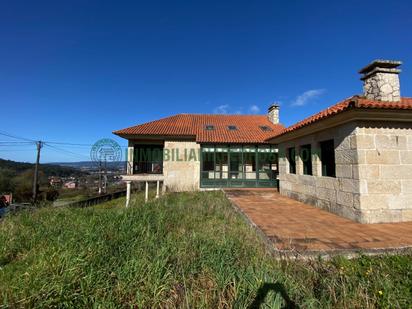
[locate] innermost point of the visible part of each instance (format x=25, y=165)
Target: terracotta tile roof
x=349, y=103
x=185, y=125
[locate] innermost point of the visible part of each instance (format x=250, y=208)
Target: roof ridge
x=232, y=115
x=341, y=102
x=355, y=101
x=249, y=128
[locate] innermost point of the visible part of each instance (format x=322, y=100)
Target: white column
x=146, y=195
x=157, y=188
x=130, y=155
x=163, y=188
x=128, y=189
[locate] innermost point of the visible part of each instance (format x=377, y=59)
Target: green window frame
x=224, y=165
x=306, y=157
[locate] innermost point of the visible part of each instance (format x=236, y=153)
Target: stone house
x=192, y=151
x=353, y=159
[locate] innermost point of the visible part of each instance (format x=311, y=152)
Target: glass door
x=236, y=166
x=222, y=167
x=267, y=166
x=249, y=166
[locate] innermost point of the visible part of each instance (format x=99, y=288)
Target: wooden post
x=157, y=188
x=128, y=189
x=39, y=145
x=146, y=195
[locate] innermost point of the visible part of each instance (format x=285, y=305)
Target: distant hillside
x=17, y=177
x=91, y=165
x=17, y=168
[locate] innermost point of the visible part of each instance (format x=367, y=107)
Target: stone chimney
x=381, y=80
x=273, y=113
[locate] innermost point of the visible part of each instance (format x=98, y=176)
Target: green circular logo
x=106, y=150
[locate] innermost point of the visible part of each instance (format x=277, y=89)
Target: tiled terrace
x=293, y=227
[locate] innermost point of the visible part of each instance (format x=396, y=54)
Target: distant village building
x=70, y=185
x=55, y=182
x=353, y=159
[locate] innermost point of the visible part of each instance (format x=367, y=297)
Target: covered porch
x=144, y=165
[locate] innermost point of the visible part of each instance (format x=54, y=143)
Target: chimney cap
x=273, y=106
x=381, y=65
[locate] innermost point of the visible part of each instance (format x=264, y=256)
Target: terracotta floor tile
x=292, y=225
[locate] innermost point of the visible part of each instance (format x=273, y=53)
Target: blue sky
x=75, y=71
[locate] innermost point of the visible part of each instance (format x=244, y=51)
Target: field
x=189, y=250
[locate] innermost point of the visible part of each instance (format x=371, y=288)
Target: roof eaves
x=351, y=102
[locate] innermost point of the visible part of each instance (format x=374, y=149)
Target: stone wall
x=385, y=171
x=340, y=194
x=182, y=169
x=373, y=180
x=382, y=87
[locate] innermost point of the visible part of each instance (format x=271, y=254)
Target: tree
x=6, y=184
x=52, y=194
x=23, y=186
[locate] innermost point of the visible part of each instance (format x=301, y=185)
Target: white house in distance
x=353, y=159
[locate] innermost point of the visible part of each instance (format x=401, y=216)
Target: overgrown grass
x=184, y=250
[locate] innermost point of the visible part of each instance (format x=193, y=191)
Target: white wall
x=182, y=173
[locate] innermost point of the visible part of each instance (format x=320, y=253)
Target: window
x=249, y=162
x=209, y=127
x=327, y=157
x=225, y=165
x=221, y=167
x=148, y=159
x=306, y=157
x=292, y=160
x=208, y=158
x=265, y=128
x=236, y=162
x=232, y=128
x=267, y=163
